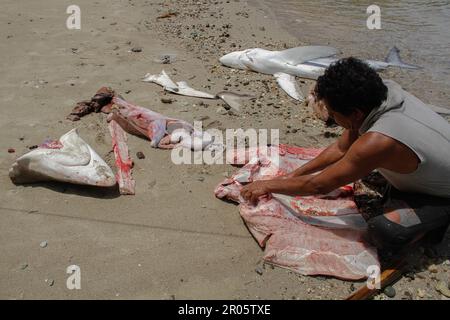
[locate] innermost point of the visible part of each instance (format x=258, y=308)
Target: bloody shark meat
x=123, y=160
x=101, y=99
x=147, y=123
x=163, y=132
x=310, y=235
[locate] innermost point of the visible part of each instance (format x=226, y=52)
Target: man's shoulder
x=374, y=143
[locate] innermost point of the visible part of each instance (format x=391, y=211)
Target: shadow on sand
x=79, y=190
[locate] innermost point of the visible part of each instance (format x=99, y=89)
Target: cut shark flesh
x=314, y=235
x=123, y=160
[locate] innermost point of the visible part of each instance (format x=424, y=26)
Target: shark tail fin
x=393, y=59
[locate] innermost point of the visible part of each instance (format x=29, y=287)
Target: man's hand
x=254, y=190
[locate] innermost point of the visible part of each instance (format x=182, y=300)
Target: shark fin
x=300, y=55
x=162, y=79
x=289, y=85
x=233, y=99
x=185, y=90
x=393, y=59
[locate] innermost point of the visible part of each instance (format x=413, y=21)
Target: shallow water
x=420, y=29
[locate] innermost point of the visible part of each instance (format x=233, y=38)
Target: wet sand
x=173, y=239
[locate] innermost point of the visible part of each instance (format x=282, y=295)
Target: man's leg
x=408, y=217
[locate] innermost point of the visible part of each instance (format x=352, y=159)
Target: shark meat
x=314, y=235
x=123, y=160
x=163, y=132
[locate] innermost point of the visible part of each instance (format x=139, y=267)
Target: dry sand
x=173, y=239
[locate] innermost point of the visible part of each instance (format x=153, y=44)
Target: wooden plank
x=387, y=277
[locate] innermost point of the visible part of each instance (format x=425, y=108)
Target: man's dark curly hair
x=350, y=84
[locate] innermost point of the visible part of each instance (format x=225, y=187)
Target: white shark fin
x=300, y=55
x=162, y=79
x=289, y=85
x=185, y=90
x=233, y=100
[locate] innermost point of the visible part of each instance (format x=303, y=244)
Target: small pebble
x=11, y=150
x=140, y=155
x=50, y=282
x=410, y=275
x=433, y=268
x=203, y=118
x=443, y=288
x=259, y=270
x=166, y=100
x=136, y=49
x=43, y=244
x=408, y=294
x=389, y=291
x=420, y=293
x=221, y=111
x=166, y=58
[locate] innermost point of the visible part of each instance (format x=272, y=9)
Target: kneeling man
x=386, y=129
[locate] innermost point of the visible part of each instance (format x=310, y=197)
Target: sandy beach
x=173, y=239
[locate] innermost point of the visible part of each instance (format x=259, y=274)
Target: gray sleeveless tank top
x=405, y=118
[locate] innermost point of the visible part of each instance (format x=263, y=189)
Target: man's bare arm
x=363, y=157
x=370, y=151
x=330, y=155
